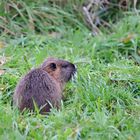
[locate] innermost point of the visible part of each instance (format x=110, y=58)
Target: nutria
x=43, y=86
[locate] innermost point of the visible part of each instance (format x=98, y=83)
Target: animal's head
x=59, y=69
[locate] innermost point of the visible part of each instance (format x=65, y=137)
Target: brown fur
x=44, y=85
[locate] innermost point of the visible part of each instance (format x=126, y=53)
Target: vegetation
x=104, y=101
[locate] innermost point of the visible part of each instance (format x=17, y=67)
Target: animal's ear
x=52, y=66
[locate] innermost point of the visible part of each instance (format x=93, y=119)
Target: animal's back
x=37, y=87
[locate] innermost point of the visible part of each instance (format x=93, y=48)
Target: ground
x=104, y=101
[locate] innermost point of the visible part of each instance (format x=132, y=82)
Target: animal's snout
x=74, y=68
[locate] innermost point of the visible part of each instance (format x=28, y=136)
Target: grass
x=103, y=103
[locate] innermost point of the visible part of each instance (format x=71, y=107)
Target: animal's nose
x=74, y=67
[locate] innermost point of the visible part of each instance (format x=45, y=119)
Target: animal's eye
x=53, y=66
x=64, y=66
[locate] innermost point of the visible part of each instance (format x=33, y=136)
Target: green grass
x=103, y=104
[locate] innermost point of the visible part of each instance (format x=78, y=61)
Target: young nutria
x=43, y=86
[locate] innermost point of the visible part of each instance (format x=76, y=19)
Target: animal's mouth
x=74, y=76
